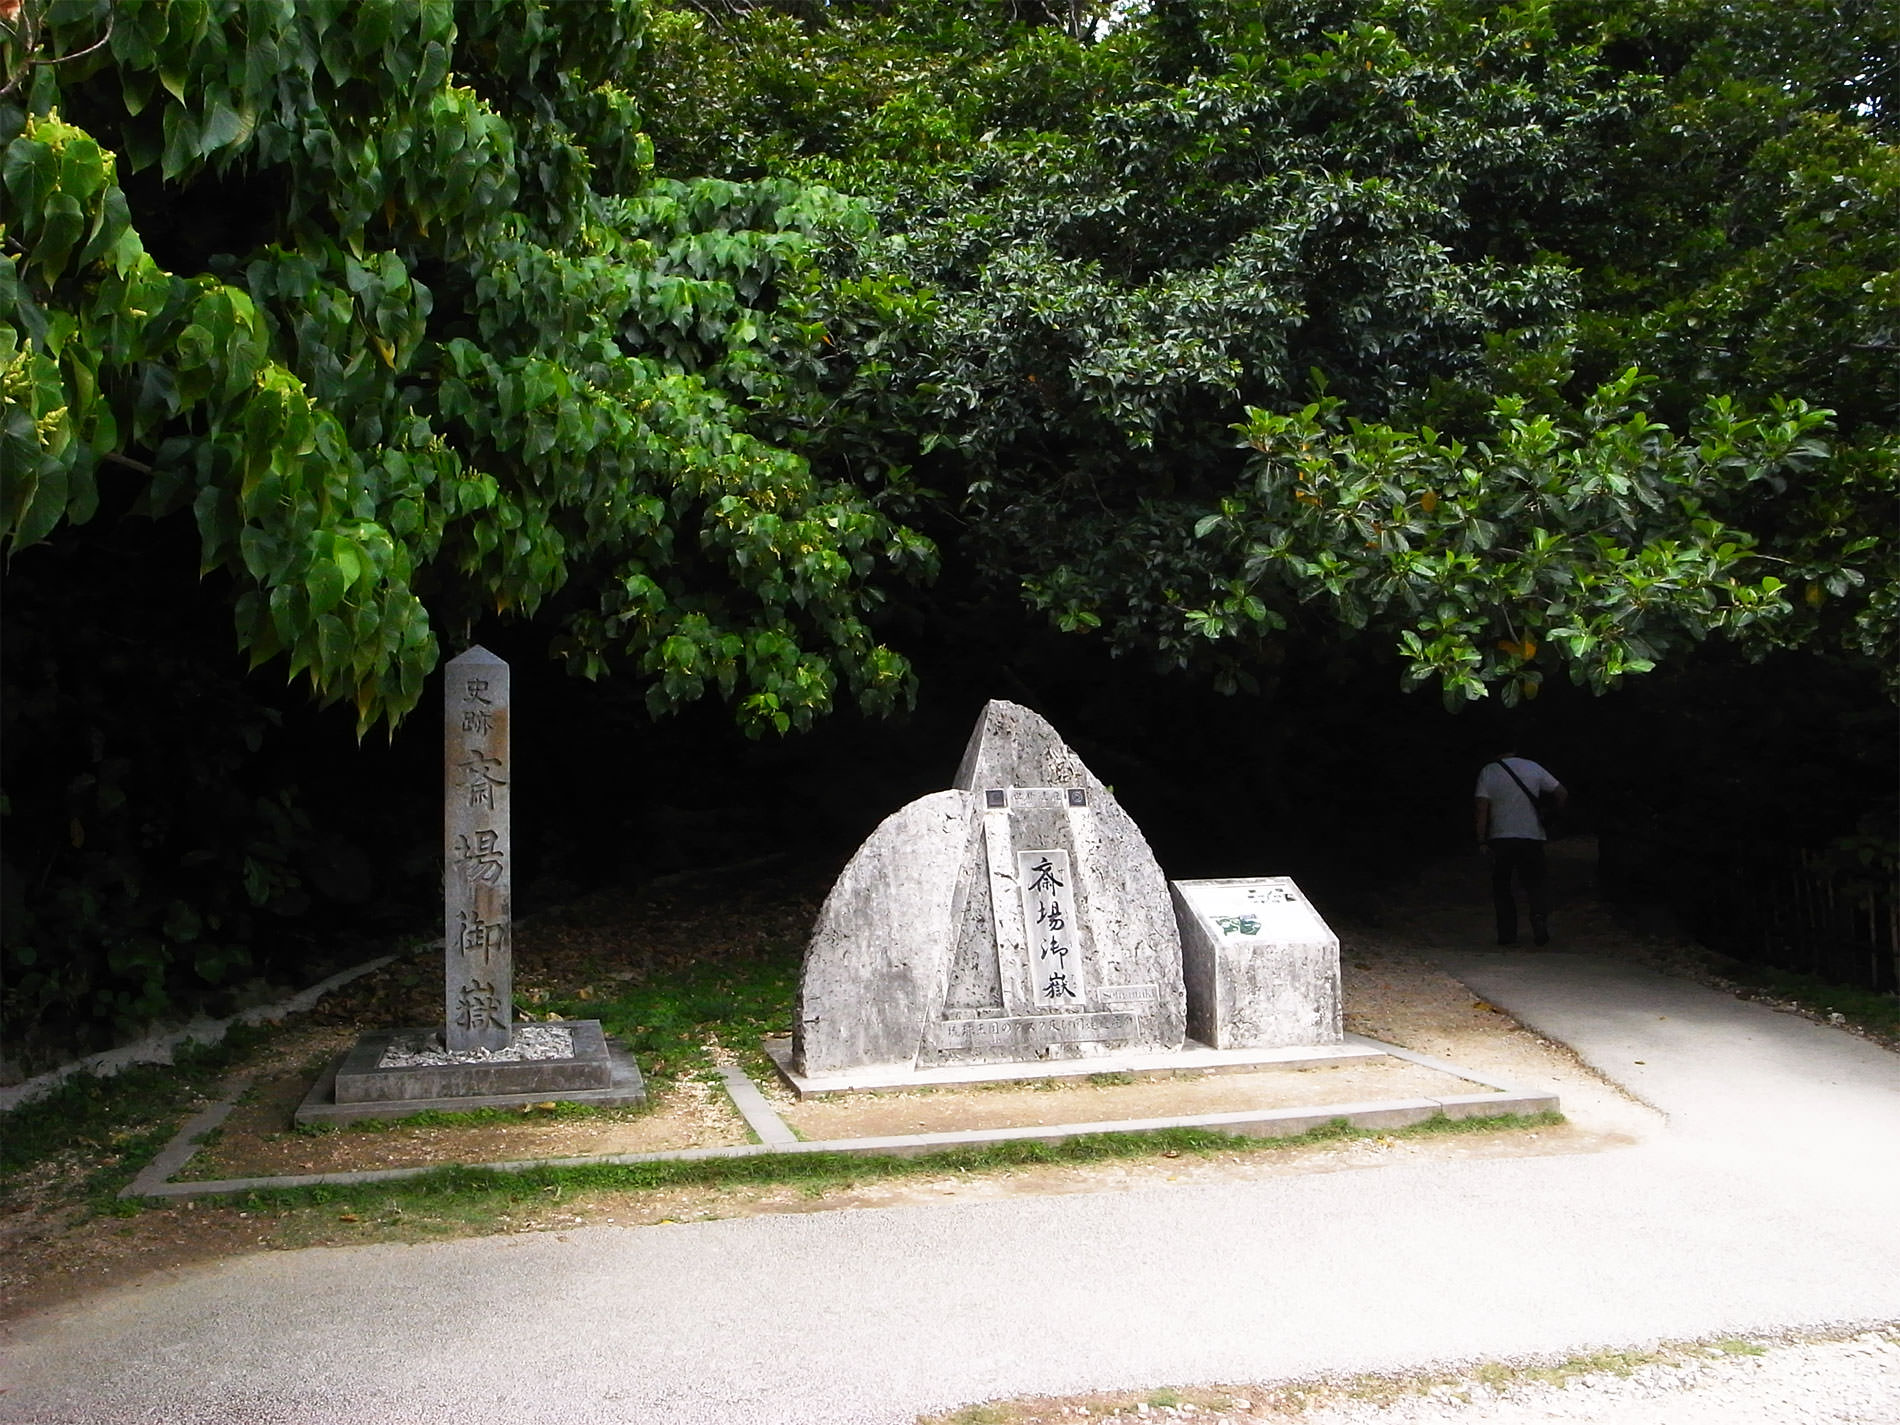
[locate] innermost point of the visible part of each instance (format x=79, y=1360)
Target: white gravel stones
x=531, y=1041
x=1835, y=1382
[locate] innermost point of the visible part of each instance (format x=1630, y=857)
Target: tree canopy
x=389, y=296
x=1517, y=332
x=1243, y=321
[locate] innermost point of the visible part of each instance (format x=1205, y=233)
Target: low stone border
x=776, y=1138
x=158, y=1048
x=174, y=1155
x=757, y=1111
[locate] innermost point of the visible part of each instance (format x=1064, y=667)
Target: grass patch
x=1294, y=1399
x=738, y=1000
x=477, y=1194
x=1621, y=1364
x=1501, y=1376
x=1438, y=1124
x=120, y=1122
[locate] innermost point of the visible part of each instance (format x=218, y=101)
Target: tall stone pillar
x=477, y=935
x=395, y=1073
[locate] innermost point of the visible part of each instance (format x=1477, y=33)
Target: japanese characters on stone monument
x=479, y=958
x=1019, y=916
x=1045, y=880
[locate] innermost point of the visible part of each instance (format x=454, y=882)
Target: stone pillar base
x=599, y=1072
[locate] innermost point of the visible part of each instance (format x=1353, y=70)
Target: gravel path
x=1841, y=1382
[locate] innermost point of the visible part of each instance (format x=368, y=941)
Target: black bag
x=1550, y=816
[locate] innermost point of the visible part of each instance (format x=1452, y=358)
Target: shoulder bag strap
x=1536, y=810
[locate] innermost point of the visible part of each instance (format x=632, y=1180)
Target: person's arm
x=1555, y=789
x=1481, y=817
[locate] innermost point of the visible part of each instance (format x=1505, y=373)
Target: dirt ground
x=1392, y=992
x=257, y=1140
x=1072, y=1101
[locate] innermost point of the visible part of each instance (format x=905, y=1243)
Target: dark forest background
x=1292, y=402
x=204, y=807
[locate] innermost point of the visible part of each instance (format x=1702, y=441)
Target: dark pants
x=1513, y=856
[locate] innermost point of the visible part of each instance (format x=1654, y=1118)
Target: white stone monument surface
x=879, y=951
x=1261, y=967
x=1018, y=917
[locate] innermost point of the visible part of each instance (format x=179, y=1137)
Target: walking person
x=1511, y=832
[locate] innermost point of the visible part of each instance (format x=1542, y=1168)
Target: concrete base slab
x=1194, y=1059
x=361, y=1077
x=601, y=1073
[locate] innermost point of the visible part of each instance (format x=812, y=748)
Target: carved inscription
x=1055, y=961
x=479, y=1007
x=478, y=946
x=1029, y=1031
x=481, y=856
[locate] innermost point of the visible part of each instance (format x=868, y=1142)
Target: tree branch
x=30, y=41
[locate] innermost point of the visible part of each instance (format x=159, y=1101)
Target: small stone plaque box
x=1259, y=965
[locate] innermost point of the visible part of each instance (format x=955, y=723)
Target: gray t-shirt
x=1514, y=815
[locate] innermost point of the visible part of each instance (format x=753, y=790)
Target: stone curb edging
x=1444, y=1066
x=776, y=1138
x=159, y=1048
x=174, y=1155
x=758, y=1113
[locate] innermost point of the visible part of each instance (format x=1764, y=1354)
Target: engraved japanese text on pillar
x=478, y=941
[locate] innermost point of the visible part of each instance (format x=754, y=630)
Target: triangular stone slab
x=1020, y=916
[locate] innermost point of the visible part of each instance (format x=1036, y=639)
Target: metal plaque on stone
x=477, y=934
x=1260, y=967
